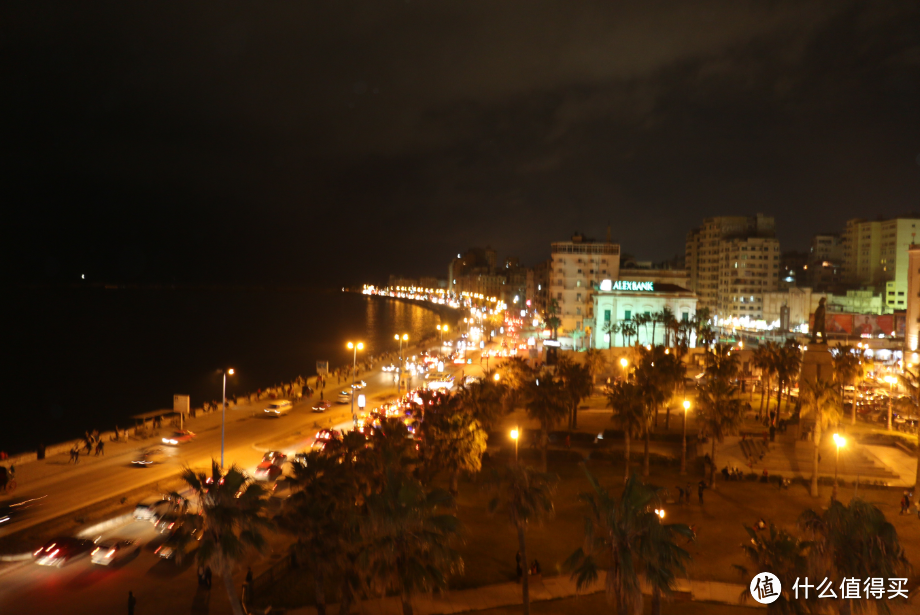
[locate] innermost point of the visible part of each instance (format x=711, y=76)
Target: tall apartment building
x=875, y=253
x=731, y=261
x=577, y=265
x=826, y=247
x=912, y=333
x=538, y=285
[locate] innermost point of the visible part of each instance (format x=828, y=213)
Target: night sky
x=294, y=142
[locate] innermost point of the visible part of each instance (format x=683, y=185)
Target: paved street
x=80, y=586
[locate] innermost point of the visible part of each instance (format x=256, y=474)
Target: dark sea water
x=83, y=359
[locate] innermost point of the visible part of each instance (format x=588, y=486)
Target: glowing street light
x=354, y=368
x=223, y=415
x=623, y=363
x=403, y=338
x=683, y=456
x=515, y=435
x=840, y=441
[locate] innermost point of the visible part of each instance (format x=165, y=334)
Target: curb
x=18, y=557
x=104, y=526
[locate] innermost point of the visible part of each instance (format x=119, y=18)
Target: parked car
x=149, y=457
x=278, y=408
x=179, y=437
x=59, y=551
x=108, y=552
x=322, y=406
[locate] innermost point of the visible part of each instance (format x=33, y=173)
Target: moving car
x=108, y=552
x=278, y=408
x=322, y=406
x=359, y=385
x=324, y=437
x=179, y=437
x=152, y=508
x=389, y=368
x=182, y=541
x=267, y=471
x=344, y=397
x=59, y=551
x=149, y=457
x=170, y=521
x=11, y=509
x=276, y=457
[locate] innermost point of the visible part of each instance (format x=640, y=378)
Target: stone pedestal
x=817, y=364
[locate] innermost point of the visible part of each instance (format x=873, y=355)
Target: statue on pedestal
x=819, y=330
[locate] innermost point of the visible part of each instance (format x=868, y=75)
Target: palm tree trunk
x=779, y=399
x=853, y=406
x=575, y=416
x=319, y=592
x=814, y=476
x=656, y=601
x=645, y=463
x=235, y=603
x=764, y=383
x=406, y=604
x=712, y=465
x=525, y=585
x=667, y=417
x=626, y=474
x=544, y=437
x=654, y=322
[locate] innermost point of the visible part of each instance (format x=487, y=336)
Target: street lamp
x=840, y=441
x=496, y=377
x=683, y=456
x=403, y=338
x=223, y=415
x=515, y=434
x=890, y=380
x=442, y=329
x=354, y=368
x=623, y=363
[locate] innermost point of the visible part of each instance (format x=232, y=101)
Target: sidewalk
x=509, y=594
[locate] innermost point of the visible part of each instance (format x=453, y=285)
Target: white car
x=389, y=368
x=108, y=552
x=278, y=408
x=149, y=457
x=344, y=397
x=152, y=508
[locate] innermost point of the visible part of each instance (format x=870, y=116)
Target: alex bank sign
x=628, y=285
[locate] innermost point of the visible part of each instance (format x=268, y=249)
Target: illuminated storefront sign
x=647, y=287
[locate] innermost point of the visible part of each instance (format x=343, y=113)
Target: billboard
x=322, y=367
x=863, y=325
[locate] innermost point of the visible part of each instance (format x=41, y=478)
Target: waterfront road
x=83, y=587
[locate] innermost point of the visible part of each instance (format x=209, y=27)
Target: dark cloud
x=327, y=142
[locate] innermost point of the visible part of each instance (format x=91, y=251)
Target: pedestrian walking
x=699, y=491
x=100, y=448
x=76, y=455
x=680, y=494
x=131, y=602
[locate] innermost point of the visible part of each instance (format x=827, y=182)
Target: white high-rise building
x=875, y=253
x=912, y=329
x=578, y=265
x=731, y=261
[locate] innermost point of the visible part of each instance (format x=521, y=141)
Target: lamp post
x=400, y=338
x=223, y=415
x=839, y=441
x=442, y=329
x=683, y=456
x=890, y=380
x=515, y=434
x=354, y=368
x=624, y=362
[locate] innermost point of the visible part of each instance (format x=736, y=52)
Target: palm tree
x=788, y=363
x=231, y=506
x=784, y=555
x=854, y=541
x=596, y=362
x=651, y=392
x=407, y=537
x=821, y=396
x=846, y=366
x=576, y=385
x=321, y=515
x=544, y=402
x=701, y=323
x=668, y=321
x=642, y=320
x=654, y=318
x=552, y=317
x=765, y=359
x=483, y=399
x=526, y=496
x=628, y=413
x=452, y=440
x=719, y=408
x=623, y=539
x=611, y=329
